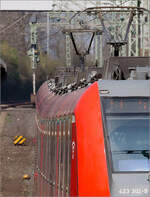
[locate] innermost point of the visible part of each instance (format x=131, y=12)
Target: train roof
x=124, y=88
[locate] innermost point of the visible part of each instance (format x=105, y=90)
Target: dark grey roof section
x=3, y=64
x=124, y=88
x=124, y=64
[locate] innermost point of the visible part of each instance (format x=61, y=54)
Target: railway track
x=16, y=104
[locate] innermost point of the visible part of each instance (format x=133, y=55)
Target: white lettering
x=133, y=191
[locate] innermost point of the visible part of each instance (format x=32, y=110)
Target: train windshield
x=127, y=123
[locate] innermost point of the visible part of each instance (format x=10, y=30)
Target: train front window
x=127, y=121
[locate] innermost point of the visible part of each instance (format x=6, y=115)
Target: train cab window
x=127, y=123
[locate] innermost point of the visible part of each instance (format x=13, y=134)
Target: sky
x=66, y=5
x=74, y=5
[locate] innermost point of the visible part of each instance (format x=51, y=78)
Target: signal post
x=34, y=54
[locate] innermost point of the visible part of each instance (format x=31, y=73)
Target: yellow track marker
x=17, y=140
x=26, y=176
x=21, y=142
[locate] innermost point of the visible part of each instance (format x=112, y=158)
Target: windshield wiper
x=145, y=153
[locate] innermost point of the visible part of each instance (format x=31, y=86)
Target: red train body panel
x=92, y=166
x=85, y=141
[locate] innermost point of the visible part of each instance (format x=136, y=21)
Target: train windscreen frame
x=127, y=123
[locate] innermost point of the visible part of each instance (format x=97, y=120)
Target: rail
x=8, y=105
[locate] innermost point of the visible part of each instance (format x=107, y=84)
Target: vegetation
x=47, y=68
x=19, y=75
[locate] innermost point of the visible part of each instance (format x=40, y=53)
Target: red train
x=94, y=141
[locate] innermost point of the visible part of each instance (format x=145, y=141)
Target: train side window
x=49, y=151
x=53, y=154
x=39, y=145
x=69, y=134
x=44, y=147
x=46, y=151
x=42, y=151
x=43, y=162
x=52, y=151
x=64, y=157
x=66, y=152
x=59, y=156
x=56, y=156
x=45, y=144
x=41, y=157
